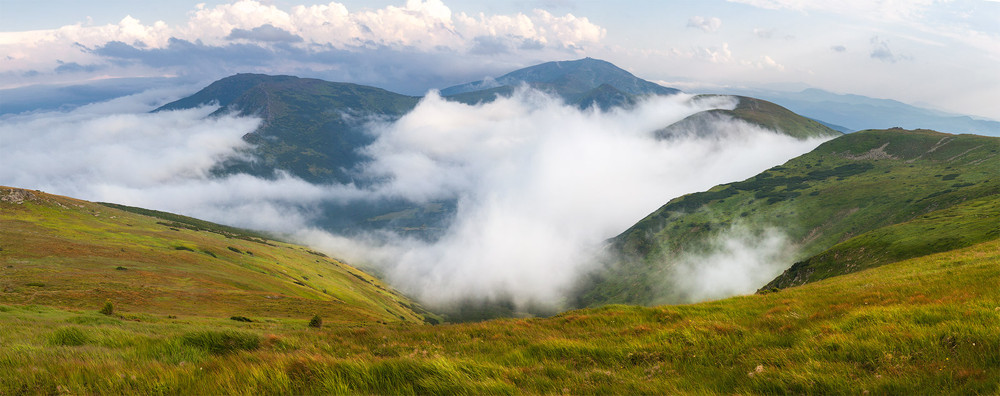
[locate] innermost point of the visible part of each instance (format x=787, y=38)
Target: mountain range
x=315, y=130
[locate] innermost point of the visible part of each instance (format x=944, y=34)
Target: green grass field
x=925, y=325
x=68, y=253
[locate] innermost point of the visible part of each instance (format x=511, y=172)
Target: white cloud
x=716, y=54
x=540, y=187
x=764, y=62
x=709, y=25
x=737, y=261
x=310, y=32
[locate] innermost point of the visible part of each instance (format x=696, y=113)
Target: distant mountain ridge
x=583, y=82
x=856, y=112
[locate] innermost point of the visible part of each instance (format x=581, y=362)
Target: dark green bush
x=107, y=309
x=316, y=322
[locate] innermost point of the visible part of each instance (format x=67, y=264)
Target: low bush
x=107, y=309
x=316, y=322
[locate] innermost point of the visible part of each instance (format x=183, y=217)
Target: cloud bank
x=326, y=40
x=539, y=185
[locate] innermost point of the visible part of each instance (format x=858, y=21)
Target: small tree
x=108, y=309
x=316, y=322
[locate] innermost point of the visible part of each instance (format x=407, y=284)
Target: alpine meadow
x=457, y=197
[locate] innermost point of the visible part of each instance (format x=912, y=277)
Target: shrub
x=316, y=322
x=222, y=342
x=107, y=309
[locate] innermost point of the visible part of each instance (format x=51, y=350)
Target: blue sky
x=937, y=54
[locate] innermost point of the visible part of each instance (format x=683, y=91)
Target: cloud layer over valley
x=538, y=185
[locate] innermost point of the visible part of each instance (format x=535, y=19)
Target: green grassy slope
x=844, y=188
x=958, y=226
x=756, y=112
x=62, y=252
x=927, y=325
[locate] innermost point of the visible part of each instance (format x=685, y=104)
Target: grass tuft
x=222, y=342
x=69, y=336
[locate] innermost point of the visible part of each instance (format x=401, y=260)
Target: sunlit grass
x=924, y=325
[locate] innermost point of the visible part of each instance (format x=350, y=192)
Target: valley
x=890, y=329
x=866, y=262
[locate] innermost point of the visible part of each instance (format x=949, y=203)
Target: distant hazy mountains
x=849, y=113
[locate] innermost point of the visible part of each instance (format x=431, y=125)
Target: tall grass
x=920, y=326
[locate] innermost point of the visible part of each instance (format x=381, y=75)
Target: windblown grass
x=918, y=326
x=63, y=252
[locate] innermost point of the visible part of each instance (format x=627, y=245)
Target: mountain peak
x=225, y=91
x=569, y=79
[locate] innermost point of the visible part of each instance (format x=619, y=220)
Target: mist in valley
x=538, y=186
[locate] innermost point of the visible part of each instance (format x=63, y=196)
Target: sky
x=938, y=54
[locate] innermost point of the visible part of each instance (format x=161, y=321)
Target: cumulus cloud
x=764, y=62
x=264, y=33
x=267, y=34
x=709, y=25
x=538, y=185
x=763, y=33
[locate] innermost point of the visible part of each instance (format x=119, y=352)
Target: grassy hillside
x=958, y=226
x=73, y=254
x=756, y=112
x=927, y=325
x=846, y=187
